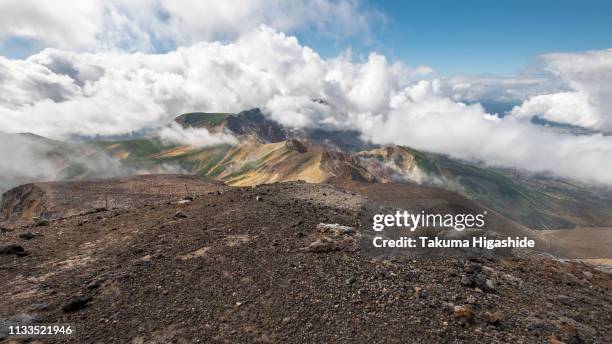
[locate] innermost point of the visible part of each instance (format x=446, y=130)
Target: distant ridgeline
x=269, y=152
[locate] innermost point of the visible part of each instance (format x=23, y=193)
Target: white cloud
x=589, y=103
x=197, y=137
x=147, y=25
x=563, y=107
x=57, y=93
x=495, y=88
x=66, y=24
x=436, y=123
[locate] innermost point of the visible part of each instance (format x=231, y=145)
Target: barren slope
x=235, y=267
x=52, y=200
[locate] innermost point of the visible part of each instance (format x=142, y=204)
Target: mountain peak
x=246, y=123
x=201, y=119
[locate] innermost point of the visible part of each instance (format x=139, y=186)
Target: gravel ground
x=252, y=265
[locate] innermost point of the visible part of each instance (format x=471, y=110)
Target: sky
x=470, y=79
x=497, y=37
x=454, y=37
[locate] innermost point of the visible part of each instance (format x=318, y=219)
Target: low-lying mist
x=30, y=158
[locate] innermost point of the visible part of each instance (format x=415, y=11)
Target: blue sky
x=476, y=37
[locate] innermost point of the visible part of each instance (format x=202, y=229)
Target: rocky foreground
x=259, y=264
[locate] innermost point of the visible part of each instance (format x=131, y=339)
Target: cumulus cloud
x=58, y=93
x=197, y=137
x=150, y=25
x=563, y=107
x=588, y=103
x=424, y=119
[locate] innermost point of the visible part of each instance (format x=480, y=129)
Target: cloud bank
x=57, y=93
x=28, y=158
x=588, y=103
x=472, y=89
x=424, y=119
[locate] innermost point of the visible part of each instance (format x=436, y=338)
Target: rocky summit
x=277, y=263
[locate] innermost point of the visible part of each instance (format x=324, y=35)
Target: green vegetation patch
x=198, y=119
x=250, y=166
x=214, y=156
x=138, y=148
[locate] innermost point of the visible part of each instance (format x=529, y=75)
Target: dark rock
x=467, y=281
x=76, y=303
x=28, y=235
x=40, y=223
x=576, y=340
x=472, y=268
x=12, y=249
x=566, y=300
x=479, y=281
